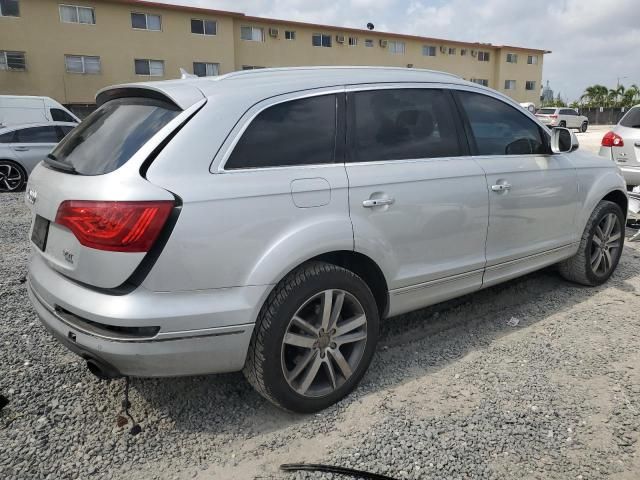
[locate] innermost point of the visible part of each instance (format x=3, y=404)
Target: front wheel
x=584, y=127
x=314, y=338
x=12, y=177
x=600, y=247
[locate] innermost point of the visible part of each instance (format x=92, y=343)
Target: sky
x=593, y=41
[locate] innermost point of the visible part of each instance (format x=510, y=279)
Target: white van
x=19, y=109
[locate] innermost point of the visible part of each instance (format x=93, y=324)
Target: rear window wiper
x=52, y=161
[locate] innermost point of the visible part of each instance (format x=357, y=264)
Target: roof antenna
x=184, y=74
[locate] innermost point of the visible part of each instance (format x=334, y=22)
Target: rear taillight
x=612, y=139
x=115, y=226
x=553, y=116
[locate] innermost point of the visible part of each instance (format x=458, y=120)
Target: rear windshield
x=110, y=136
x=632, y=118
x=547, y=111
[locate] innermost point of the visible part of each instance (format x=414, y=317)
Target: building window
x=12, y=61
x=82, y=64
x=251, y=67
x=530, y=85
x=483, y=56
x=153, y=68
x=321, y=40
x=463, y=52
x=74, y=14
x=429, y=50
x=254, y=34
x=509, y=84
x=481, y=81
x=9, y=8
x=204, y=69
x=512, y=58
x=368, y=42
x=289, y=35
x=145, y=21
x=204, y=27
x=532, y=60
x=396, y=47
x=452, y=51
x=353, y=41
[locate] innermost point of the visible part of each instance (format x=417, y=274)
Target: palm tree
x=615, y=94
x=595, y=95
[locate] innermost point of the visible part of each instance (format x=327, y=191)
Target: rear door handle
x=377, y=202
x=21, y=149
x=501, y=187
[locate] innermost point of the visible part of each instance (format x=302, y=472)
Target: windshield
x=112, y=134
x=632, y=118
x=547, y=111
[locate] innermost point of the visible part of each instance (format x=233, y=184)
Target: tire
x=584, y=127
x=562, y=124
x=279, y=369
x=12, y=176
x=588, y=267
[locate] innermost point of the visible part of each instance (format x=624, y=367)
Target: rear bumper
x=199, y=332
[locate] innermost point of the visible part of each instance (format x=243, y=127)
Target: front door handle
x=21, y=149
x=501, y=187
x=377, y=202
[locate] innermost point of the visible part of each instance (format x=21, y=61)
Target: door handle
x=21, y=149
x=377, y=202
x=501, y=187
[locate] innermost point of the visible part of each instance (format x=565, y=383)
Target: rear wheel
x=12, y=176
x=314, y=338
x=563, y=124
x=600, y=247
x=584, y=127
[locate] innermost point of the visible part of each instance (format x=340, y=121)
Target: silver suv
x=563, y=117
x=267, y=221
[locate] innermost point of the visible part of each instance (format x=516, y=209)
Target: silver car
x=622, y=145
x=23, y=146
x=267, y=221
x=563, y=117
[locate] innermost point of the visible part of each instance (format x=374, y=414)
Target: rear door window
x=632, y=118
x=400, y=124
x=37, y=135
x=110, y=136
x=59, y=115
x=8, y=137
x=298, y=132
x=499, y=128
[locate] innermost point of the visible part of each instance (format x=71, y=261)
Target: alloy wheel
x=324, y=343
x=606, y=244
x=10, y=177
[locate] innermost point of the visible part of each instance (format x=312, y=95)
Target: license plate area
x=40, y=232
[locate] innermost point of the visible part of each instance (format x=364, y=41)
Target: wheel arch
x=620, y=199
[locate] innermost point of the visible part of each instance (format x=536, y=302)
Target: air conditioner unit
x=383, y=43
x=273, y=32
x=409, y=65
x=474, y=53
x=443, y=49
x=340, y=38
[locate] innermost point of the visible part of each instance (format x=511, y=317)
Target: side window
x=37, y=135
x=8, y=137
x=58, y=115
x=299, y=132
x=62, y=131
x=402, y=124
x=500, y=129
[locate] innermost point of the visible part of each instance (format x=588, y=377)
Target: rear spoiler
x=181, y=94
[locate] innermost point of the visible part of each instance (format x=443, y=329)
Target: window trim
x=11, y=16
x=149, y=60
x=77, y=7
x=545, y=133
x=6, y=61
x=322, y=35
x=291, y=33
x=205, y=64
x=252, y=27
x=84, y=69
x=204, y=30
x=429, y=48
x=532, y=57
x=511, y=58
x=396, y=43
x=510, y=82
x=219, y=161
x=146, y=21
x=527, y=82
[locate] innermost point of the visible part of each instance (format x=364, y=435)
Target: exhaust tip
x=102, y=370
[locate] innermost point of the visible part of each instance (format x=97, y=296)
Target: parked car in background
x=21, y=109
x=563, y=117
x=529, y=106
x=622, y=145
x=23, y=146
x=267, y=220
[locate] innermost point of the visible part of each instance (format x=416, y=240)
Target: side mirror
x=563, y=140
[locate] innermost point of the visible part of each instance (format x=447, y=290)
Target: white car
x=622, y=145
x=21, y=109
x=563, y=117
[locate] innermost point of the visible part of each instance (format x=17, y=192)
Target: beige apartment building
x=69, y=49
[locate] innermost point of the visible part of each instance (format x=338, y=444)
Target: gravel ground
x=455, y=391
